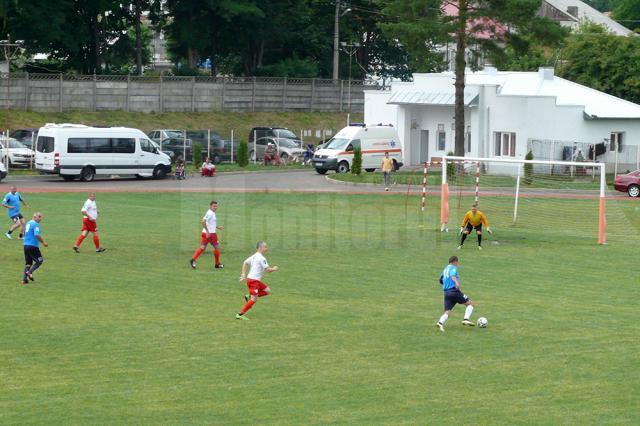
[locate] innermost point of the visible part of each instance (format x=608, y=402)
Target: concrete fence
x=58, y=92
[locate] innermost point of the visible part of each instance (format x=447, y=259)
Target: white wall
x=376, y=109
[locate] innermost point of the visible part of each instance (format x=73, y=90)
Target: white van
x=374, y=141
x=78, y=151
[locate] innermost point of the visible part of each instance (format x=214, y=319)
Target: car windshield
x=285, y=133
x=15, y=144
x=337, y=143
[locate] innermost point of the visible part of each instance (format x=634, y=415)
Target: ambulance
x=374, y=141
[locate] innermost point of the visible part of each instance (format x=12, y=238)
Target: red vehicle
x=629, y=183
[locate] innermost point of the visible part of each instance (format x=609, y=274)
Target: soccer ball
x=482, y=322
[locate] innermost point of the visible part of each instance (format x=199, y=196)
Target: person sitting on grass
x=271, y=156
x=208, y=168
x=180, y=174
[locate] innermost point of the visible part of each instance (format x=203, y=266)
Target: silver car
x=287, y=149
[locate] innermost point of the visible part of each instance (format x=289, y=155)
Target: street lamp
x=350, y=49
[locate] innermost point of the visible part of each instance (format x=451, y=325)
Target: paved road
x=298, y=180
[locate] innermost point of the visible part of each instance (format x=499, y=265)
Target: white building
x=506, y=115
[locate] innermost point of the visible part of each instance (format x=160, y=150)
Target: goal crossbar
x=444, y=193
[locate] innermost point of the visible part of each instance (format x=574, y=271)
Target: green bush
x=451, y=169
x=197, y=156
x=243, y=154
x=356, y=166
x=528, y=169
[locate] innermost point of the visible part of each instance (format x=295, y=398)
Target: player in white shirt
x=209, y=236
x=257, y=265
x=89, y=224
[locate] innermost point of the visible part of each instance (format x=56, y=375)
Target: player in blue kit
x=11, y=202
x=32, y=239
x=450, y=280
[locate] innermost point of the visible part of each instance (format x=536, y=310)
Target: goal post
x=545, y=181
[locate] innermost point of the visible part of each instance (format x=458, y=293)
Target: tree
x=477, y=27
x=592, y=57
x=356, y=165
x=627, y=12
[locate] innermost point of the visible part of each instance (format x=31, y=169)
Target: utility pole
x=336, y=40
x=10, y=49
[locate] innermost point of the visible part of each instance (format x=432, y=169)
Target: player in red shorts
x=257, y=265
x=89, y=224
x=209, y=236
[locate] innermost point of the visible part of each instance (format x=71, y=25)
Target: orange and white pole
x=602, y=217
x=444, y=199
x=424, y=186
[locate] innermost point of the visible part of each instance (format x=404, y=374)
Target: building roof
x=543, y=83
x=420, y=97
x=574, y=11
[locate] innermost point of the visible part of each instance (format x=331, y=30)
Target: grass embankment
x=222, y=122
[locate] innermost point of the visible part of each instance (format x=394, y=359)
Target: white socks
x=467, y=312
x=443, y=319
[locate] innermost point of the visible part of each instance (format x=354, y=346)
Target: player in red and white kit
x=89, y=224
x=257, y=265
x=209, y=236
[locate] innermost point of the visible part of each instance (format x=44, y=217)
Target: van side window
x=78, y=145
x=146, y=145
x=45, y=144
x=353, y=145
x=123, y=145
x=100, y=145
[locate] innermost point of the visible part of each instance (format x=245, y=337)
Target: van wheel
x=159, y=172
x=370, y=170
x=68, y=178
x=343, y=167
x=321, y=171
x=395, y=166
x=87, y=174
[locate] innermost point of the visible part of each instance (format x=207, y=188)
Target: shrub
x=528, y=169
x=243, y=154
x=197, y=156
x=356, y=166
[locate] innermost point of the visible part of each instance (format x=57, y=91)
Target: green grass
x=135, y=336
x=222, y=122
x=486, y=181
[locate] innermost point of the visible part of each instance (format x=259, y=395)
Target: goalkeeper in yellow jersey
x=474, y=219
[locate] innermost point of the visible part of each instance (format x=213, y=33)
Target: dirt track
x=285, y=181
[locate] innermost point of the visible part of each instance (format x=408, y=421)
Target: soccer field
x=134, y=335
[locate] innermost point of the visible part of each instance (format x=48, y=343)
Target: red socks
x=79, y=240
x=96, y=241
x=197, y=253
x=216, y=255
x=247, y=306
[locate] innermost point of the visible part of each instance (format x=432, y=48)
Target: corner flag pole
x=424, y=186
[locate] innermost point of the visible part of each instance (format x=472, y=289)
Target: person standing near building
x=450, y=280
x=209, y=236
x=11, y=202
x=32, y=239
x=387, y=169
x=257, y=265
x=474, y=219
x=89, y=224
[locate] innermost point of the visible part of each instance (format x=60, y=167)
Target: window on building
x=616, y=141
x=505, y=144
x=468, y=138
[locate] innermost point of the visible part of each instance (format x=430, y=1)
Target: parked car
x=162, y=134
x=26, y=136
x=219, y=149
x=286, y=149
x=274, y=132
x=629, y=183
x=13, y=153
x=3, y=172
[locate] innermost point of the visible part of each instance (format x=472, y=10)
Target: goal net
x=530, y=199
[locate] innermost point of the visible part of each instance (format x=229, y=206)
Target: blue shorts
x=452, y=297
